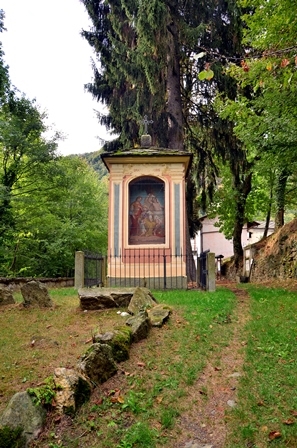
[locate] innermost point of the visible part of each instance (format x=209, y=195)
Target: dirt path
x=204, y=425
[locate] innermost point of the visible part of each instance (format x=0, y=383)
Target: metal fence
x=152, y=268
x=203, y=269
x=94, y=269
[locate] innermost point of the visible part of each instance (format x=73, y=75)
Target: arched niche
x=146, y=211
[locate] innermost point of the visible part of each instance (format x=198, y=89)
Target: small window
x=146, y=211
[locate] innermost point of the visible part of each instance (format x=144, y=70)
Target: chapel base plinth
x=150, y=283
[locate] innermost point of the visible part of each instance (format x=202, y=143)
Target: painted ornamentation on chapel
x=146, y=211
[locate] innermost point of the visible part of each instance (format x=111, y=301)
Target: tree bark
x=280, y=190
x=174, y=101
x=268, y=214
x=243, y=188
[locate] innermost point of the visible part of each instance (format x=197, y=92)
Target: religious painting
x=147, y=211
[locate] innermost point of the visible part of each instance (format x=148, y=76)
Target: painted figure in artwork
x=136, y=209
x=146, y=212
x=159, y=229
x=149, y=225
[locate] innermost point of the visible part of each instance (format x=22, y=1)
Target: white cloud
x=50, y=61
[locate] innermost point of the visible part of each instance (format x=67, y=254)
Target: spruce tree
x=165, y=58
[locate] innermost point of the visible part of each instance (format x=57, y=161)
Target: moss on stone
x=11, y=437
x=120, y=343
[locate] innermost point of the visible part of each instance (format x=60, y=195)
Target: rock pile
x=71, y=388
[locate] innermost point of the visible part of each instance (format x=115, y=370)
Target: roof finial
x=146, y=139
x=145, y=121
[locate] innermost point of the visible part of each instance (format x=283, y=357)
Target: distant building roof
x=260, y=225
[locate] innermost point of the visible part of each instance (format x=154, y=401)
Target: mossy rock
x=159, y=315
x=21, y=421
x=119, y=340
x=98, y=363
x=121, y=343
x=12, y=437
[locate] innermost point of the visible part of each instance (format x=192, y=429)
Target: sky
x=48, y=60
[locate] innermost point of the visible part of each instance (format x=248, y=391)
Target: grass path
x=206, y=422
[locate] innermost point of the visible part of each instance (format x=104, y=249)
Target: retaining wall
x=17, y=282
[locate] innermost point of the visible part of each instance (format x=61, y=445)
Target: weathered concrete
x=211, y=272
x=79, y=269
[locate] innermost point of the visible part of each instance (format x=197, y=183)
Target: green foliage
x=95, y=161
x=271, y=25
x=68, y=212
x=45, y=394
x=163, y=58
x=23, y=152
x=139, y=435
x=11, y=437
x=49, y=206
x=133, y=402
x=168, y=417
x=264, y=108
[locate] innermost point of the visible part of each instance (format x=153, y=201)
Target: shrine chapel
x=147, y=217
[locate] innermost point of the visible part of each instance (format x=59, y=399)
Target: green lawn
x=153, y=387
x=266, y=414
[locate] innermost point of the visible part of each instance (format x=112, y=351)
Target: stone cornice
x=152, y=155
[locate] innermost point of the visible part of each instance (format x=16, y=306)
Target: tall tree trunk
x=268, y=214
x=267, y=221
x=6, y=216
x=174, y=109
x=280, y=191
x=243, y=188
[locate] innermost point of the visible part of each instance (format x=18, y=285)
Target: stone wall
x=274, y=258
x=17, y=282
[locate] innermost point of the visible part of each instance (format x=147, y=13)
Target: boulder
x=140, y=325
x=97, y=364
x=141, y=300
x=158, y=315
x=6, y=298
x=36, y=294
x=72, y=390
x=101, y=298
x=22, y=413
x=119, y=340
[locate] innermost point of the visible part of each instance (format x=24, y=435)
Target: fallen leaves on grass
x=274, y=435
x=289, y=421
x=115, y=396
